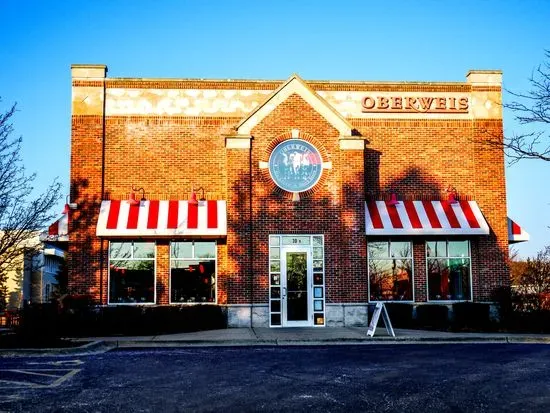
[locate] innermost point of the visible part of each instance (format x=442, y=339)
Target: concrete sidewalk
x=312, y=336
x=233, y=337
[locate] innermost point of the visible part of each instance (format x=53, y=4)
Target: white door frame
x=309, y=285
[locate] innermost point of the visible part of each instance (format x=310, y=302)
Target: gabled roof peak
x=295, y=85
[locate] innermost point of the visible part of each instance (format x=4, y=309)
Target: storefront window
x=448, y=266
x=132, y=272
x=390, y=271
x=193, y=272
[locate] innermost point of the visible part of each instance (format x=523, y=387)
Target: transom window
x=390, y=270
x=449, y=270
x=193, y=272
x=131, y=272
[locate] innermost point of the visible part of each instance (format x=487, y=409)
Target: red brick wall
x=84, y=258
x=168, y=155
x=419, y=268
x=238, y=283
x=490, y=193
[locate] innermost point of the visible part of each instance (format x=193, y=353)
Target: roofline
x=278, y=82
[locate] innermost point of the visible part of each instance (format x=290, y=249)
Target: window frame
x=215, y=259
x=154, y=259
x=448, y=257
x=47, y=292
x=390, y=240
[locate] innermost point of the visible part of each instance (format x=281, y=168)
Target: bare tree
x=534, y=284
x=22, y=212
x=517, y=266
x=531, y=108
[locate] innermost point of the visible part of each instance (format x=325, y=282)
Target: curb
x=528, y=340
x=101, y=346
x=94, y=347
x=122, y=344
x=130, y=344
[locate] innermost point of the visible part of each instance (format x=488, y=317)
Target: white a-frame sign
x=380, y=308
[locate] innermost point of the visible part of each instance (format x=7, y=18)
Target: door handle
x=284, y=292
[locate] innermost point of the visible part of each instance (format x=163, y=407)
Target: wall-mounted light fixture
x=393, y=201
x=451, y=198
x=193, y=198
x=68, y=206
x=132, y=199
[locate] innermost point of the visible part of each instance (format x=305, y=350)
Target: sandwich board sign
x=380, y=309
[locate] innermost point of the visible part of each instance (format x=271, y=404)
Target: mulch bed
x=14, y=341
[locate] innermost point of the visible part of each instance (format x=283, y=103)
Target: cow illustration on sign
x=295, y=161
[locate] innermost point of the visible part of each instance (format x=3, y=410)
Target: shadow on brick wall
x=87, y=253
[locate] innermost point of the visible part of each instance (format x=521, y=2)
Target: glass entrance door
x=296, y=284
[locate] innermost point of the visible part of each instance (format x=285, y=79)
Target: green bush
x=77, y=317
x=401, y=314
x=530, y=322
x=502, y=296
x=38, y=321
x=471, y=316
x=432, y=316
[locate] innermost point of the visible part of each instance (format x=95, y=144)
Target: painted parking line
x=9, y=398
x=35, y=378
x=58, y=363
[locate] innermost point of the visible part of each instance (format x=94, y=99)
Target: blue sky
x=321, y=40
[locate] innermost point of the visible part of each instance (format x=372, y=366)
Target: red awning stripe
x=449, y=213
x=469, y=214
x=212, y=214
x=413, y=215
x=373, y=216
x=173, y=207
x=153, y=215
x=394, y=216
x=193, y=215
x=516, y=233
x=133, y=216
x=431, y=214
x=425, y=218
x=112, y=220
x=162, y=218
x=54, y=228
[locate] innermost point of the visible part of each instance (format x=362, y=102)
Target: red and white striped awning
x=516, y=233
x=58, y=231
x=162, y=218
x=424, y=218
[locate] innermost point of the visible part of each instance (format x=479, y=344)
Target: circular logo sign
x=295, y=165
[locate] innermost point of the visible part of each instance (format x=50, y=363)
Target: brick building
x=290, y=203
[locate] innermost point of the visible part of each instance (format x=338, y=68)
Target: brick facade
x=167, y=151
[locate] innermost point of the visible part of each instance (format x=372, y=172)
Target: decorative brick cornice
x=192, y=84
x=274, y=84
x=88, y=83
x=465, y=123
